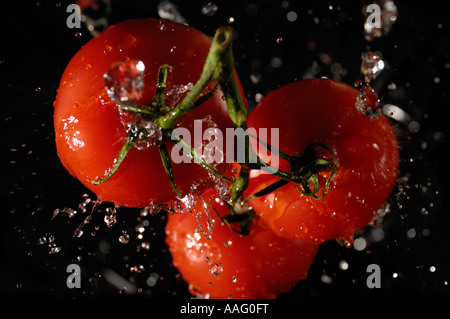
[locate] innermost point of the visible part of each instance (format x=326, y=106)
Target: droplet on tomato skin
x=215, y=269
x=191, y=53
x=107, y=49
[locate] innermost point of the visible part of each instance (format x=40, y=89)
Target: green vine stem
x=215, y=62
x=219, y=68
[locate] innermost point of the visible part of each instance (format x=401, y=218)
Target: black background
x=36, y=45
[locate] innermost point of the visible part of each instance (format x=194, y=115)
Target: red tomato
x=224, y=264
x=90, y=131
x=366, y=149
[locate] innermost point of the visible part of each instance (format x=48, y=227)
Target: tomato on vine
x=93, y=135
x=322, y=112
x=219, y=262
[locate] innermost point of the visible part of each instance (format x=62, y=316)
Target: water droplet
x=78, y=35
x=78, y=232
x=124, y=238
x=228, y=243
x=146, y=133
x=124, y=81
x=110, y=217
x=137, y=268
x=152, y=279
x=291, y=16
x=343, y=265
x=88, y=66
x=209, y=9
x=279, y=40
x=169, y=11
x=233, y=279
x=38, y=89
x=367, y=102
x=215, y=269
x=371, y=65
x=107, y=49
x=221, y=187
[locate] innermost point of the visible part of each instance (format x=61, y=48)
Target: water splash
x=145, y=133
x=176, y=93
x=124, y=238
x=367, y=102
x=169, y=11
x=49, y=240
x=221, y=188
x=209, y=9
x=371, y=65
x=215, y=269
x=110, y=217
x=95, y=14
x=124, y=81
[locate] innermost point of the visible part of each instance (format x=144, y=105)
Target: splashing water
x=215, y=269
x=49, y=240
x=221, y=188
x=169, y=11
x=371, y=65
x=124, y=238
x=367, y=102
x=209, y=9
x=175, y=94
x=95, y=15
x=124, y=81
x=110, y=217
x=145, y=132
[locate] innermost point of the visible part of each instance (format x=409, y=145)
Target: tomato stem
x=212, y=71
x=167, y=163
x=161, y=86
x=127, y=146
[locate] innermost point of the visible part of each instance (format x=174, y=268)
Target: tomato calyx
x=307, y=167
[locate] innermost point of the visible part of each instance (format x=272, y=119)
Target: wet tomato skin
x=89, y=130
x=223, y=264
x=366, y=149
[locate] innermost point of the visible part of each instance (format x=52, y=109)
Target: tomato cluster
x=257, y=237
